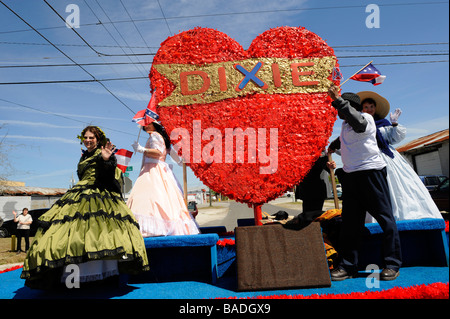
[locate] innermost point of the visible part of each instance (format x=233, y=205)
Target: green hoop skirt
x=88, y=223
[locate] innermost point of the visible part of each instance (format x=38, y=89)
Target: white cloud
x=42, y=138
x=421, y=129
x=39, y=124
x=70, y=115
x=131, y=94
x=65, y=172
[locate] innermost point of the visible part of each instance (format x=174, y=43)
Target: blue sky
x=39, y=122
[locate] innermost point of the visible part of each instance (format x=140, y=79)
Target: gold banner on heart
x=218, y=81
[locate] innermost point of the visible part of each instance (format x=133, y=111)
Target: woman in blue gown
x=409, y=196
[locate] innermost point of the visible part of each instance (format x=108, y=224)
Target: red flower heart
x=296, y=126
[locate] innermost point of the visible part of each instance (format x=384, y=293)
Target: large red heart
x=303, y=121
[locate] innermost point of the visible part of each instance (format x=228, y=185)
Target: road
x=227, y=213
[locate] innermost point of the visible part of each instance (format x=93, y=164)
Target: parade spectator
x=23, y=229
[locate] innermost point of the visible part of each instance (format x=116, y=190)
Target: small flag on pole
x=123, y=159
x=151, y=109
x=369, y=74
x=139, y=118
x=336, y=75
x=147, y=116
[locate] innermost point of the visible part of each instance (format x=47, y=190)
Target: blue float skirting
x=423, y=243
x=180, y=258
x=410, y=225
x=181, y=241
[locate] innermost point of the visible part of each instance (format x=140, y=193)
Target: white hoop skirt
x=158, y=204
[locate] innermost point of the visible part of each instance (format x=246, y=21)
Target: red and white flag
x=139, y=118
x=123, y=159
x=147, y=116
x=150, y=111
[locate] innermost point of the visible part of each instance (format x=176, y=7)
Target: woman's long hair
x=161, y=130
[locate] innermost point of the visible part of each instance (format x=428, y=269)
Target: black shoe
x=389, y=274
x=340, y=274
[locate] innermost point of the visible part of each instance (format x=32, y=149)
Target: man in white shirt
x=365, y=188
x=23, y=228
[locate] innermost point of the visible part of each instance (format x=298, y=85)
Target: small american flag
x=369, y=74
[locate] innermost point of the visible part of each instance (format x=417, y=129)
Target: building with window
x=428, y=155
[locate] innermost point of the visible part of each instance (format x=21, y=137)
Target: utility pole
x=210, y=198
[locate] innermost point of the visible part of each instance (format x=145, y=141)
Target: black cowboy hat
x=354, y=100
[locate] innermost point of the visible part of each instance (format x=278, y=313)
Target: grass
x=10, y=257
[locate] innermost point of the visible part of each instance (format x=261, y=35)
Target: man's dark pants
x=25, y=233
x=367, y=191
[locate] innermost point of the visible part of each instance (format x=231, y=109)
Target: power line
x=74, y=45
x=140, y=78
x=135, y=26
x=149, y=62
x=435, y=52
x=245, y=13
x=396, y=63
x=93, y=77
x=129, y=58
x=73, y=81
x=139, y=47
x=164, y=17
x=389, y=55
x=387, y=45
x=99, y=53
x=120, y=34
x=58, y=115
x=68, y=64
x=87, y=43
x=106, y=29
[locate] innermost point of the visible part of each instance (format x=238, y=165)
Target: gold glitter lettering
x=217, y=81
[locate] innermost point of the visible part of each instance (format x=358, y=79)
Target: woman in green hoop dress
x=90, y=226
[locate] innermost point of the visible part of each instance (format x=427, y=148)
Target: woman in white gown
x=409, y=196
x=156, y=199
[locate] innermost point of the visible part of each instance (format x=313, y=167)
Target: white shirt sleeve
x=157, y=142
x=393, y=134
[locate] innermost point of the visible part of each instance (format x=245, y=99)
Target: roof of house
x=425, y=141
x=9, y=190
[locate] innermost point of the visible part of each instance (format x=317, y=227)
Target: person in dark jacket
x=365, y=187
x=312, y=190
